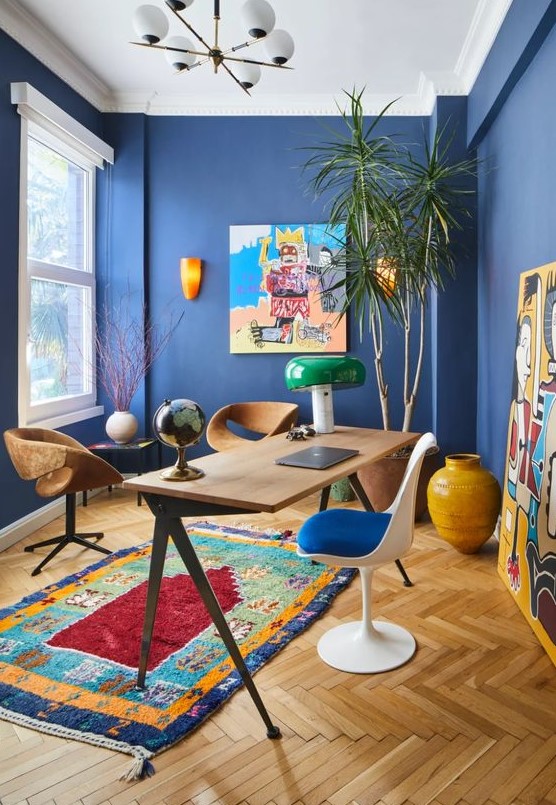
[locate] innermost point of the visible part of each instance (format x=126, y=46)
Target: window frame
x=46, y=123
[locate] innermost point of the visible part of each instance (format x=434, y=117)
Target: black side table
x=136, y=449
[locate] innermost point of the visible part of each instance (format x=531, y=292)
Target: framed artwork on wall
x=282, y=294
x=527, y=553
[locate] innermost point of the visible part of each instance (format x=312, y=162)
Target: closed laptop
x=318, y=457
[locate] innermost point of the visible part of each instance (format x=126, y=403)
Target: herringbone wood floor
x=470, y=719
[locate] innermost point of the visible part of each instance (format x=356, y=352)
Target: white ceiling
x=407, y=49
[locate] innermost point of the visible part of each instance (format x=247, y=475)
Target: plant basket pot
x=342, y=491
x=381, y=479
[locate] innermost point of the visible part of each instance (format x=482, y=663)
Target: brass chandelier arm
x=251, y=61
x=254, y=61
x=206, y=55
x=216, y=18
x=191, y=29
x=190, y=67
x=238, y=82
x=244, y=45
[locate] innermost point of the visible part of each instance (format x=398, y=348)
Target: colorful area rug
x=69, y=653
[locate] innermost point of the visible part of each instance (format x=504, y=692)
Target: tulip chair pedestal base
x=357, y=649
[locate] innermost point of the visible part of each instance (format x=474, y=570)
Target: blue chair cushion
x=343, y=532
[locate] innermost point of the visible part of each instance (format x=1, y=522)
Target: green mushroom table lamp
x=321, y=374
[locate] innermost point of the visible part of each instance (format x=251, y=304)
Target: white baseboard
x=31, y=522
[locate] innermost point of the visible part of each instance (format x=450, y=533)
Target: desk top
x=248, y=478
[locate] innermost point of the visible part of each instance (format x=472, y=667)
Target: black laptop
x=317, y=458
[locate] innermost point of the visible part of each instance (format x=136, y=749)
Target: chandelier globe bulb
x=178, y=5
x=176, y=57
x=150, y=24
x=279, y=46
x=258, y=17
x=248, y=74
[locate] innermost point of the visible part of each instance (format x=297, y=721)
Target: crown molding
x=418, y=104
x=34, y=37
x=487, y=20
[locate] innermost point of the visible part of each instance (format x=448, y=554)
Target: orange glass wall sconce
x=190, y=269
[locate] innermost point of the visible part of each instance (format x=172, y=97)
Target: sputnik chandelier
x=151, y=26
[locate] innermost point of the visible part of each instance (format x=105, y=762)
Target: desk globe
x=179, y=424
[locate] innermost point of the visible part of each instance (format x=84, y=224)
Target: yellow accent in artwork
x=289, y=236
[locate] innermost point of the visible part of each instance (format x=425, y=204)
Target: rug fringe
x=140, y=768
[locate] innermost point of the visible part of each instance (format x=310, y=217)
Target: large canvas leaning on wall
x=527, y=554
x=282, y=294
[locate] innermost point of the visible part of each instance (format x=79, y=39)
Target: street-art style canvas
x=527, y=554
x=282, y=294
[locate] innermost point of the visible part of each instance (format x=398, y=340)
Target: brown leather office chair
x=266, y=418
x=61, y=465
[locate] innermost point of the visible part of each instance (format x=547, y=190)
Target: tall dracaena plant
x=398, y=212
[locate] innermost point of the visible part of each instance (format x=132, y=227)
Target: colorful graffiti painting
x=527, y=554
x=283, y=294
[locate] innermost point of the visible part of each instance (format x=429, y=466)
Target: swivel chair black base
x=67, y=538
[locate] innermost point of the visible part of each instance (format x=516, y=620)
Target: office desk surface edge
x=248, y=477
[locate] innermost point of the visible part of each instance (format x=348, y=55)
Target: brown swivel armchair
x=61, y=465
x=266, y=418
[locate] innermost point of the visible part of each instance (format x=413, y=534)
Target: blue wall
x=514, y=132
x=204, y=175
x=177, y=185
x=18, y=497
x=454, y=313
x=122, y=243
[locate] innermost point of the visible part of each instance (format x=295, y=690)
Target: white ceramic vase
x=121, y=426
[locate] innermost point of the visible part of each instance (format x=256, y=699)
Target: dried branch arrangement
x=127, y=344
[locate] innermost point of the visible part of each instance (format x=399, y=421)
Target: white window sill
x=67, y=419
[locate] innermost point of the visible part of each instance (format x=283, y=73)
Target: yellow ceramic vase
x=464, y=502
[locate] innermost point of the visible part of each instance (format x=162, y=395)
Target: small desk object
x=137, y=448
x=244, y=480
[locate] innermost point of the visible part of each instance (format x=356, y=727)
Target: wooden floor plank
x=471, y=719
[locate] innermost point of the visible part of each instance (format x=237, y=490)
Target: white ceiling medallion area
x=477, y=39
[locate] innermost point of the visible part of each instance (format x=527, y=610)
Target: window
x=57, y=276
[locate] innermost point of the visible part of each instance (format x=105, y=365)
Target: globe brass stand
x=181, y=471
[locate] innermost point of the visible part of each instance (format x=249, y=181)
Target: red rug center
x=114, y=631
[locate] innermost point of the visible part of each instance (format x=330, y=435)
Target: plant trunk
x=376, y=329
x=409, y=402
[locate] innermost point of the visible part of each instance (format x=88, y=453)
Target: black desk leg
x=324, y=497
x=174, y=527
x=362, y=495
x=158, y=555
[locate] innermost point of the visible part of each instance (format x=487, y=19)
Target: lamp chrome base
x=186, y=473
x=323, y=411
x=357, y=649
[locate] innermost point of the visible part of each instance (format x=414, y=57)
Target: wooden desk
x=240, y=481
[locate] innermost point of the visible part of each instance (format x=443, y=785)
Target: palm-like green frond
x=399, y=210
